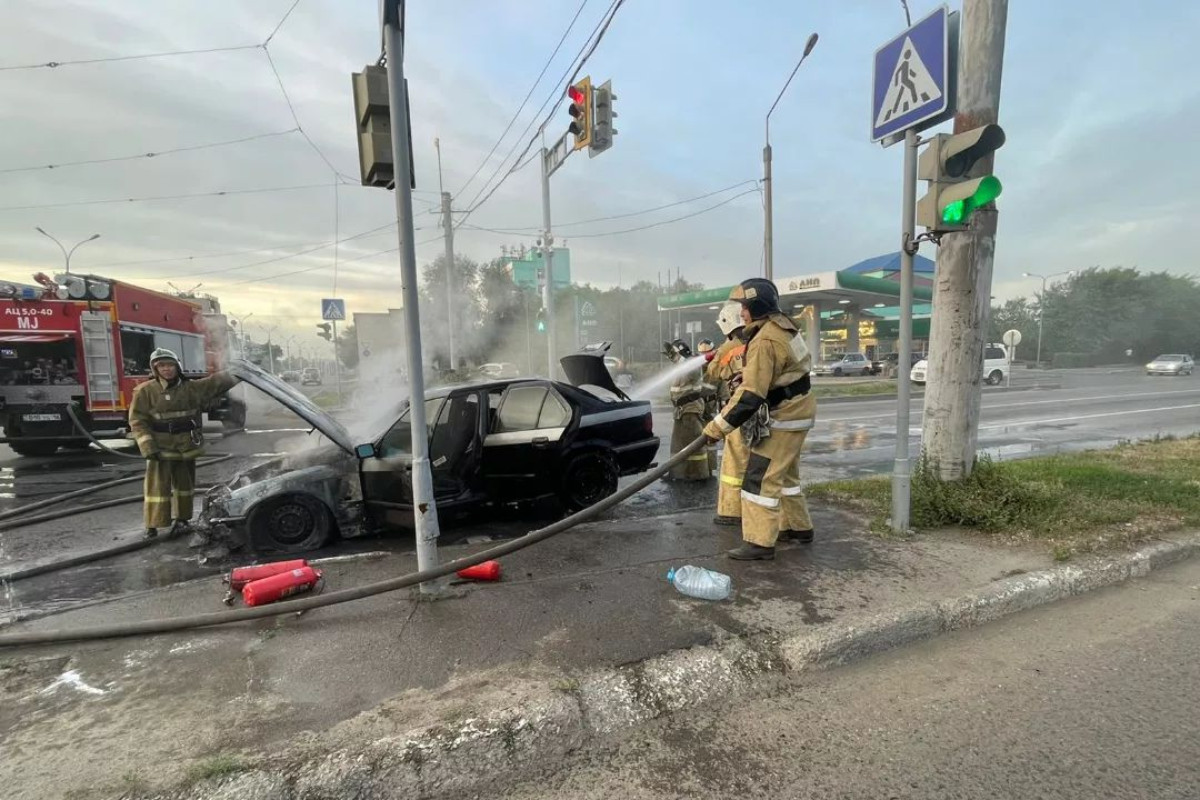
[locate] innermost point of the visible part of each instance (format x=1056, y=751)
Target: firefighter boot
x=752, y=552
x=803, y=537
x=151, y=533
x=726, y=521
x=179, y=527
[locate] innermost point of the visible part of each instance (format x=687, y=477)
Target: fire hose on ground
x=154, y=626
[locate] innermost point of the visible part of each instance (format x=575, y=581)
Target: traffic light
x=541, y=320
x=602, y=127
x=374, y=126
x=325, y=334
x=956, y=189
x=580, y=110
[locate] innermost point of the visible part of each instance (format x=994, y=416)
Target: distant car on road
x=496, y=443
x=291, y=376
x=995, y=366
x=311, y=376
x=499, y=370
x=1171, y=364
x=848, y=364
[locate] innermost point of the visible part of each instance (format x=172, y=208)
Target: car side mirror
x=365, y=451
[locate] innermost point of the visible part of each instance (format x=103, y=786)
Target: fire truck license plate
x=42, y=417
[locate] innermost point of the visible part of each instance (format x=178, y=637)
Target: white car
x=499, y=371
x=1169, y=364
x=848, y=364
x=995, y=366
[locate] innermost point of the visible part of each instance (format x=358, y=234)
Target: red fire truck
x=86, y=340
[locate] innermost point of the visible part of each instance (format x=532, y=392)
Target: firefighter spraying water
x=689, y=397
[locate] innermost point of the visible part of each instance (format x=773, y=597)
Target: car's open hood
x=294, y=401
x=588, y=369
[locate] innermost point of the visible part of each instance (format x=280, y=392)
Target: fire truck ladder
x=99, y=360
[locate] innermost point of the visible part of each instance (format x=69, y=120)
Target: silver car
x=1171, y=364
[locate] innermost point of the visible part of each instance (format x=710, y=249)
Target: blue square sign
x=333, y=309
x=912, y=77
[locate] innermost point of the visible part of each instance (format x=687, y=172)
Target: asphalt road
x=1091, y=698
x=1092, y=409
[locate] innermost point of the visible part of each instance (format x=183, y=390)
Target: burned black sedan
x=498, y=442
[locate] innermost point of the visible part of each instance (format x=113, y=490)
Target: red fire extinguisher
x=281, y=585
x=239, y=577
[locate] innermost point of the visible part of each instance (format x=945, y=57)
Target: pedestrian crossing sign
x=912, y=77
x=333, y=309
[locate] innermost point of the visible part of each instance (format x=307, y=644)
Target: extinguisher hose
x=153, y=626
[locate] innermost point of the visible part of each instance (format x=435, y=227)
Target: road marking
x=1089, y=416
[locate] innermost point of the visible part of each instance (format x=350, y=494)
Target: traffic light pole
x=962, y=297
x=424, y=508
x=448, y=225
x=337, y=368
x=548, y=258
x=902, y=470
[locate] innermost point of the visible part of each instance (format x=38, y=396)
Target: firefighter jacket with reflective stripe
x=726, y=368
x=689, y=393
x=155, y=402
x=773, y=361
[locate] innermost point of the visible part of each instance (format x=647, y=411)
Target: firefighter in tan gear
x=165, y=418
x=725, y=370
x=689, y=395
x=774, y=410
x=712, y=405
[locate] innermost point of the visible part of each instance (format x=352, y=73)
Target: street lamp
x=1042, y=303
x=240, y=323
x=268, y=330
x=768, y=232
x=67, y=253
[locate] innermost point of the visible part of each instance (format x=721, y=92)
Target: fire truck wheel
x=289, y=523
x=237, y=416
x=33, y=448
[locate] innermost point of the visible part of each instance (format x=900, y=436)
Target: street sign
x=556, y=155
x=333, y=309
x=912, y=78
x=695, y=327
x=1012, y=338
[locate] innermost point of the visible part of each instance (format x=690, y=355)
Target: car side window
x=398, y=439
x=521, y=409
x=555, y=412
x=993, y=353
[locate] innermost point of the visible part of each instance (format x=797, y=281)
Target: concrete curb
x=471, y=755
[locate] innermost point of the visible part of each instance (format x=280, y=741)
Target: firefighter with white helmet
x=689, y=396
x=774, y=408
x=725, y=370
x=164, y=416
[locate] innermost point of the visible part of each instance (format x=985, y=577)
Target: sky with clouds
x=1098, y=101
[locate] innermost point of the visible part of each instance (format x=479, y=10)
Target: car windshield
x=1169, y=358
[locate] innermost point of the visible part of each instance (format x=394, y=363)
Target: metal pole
x=548, y=259
x=448, y=225
x=768, y=222
x=337, y=368
x=1041, y=314
x=424, y=507
x=902, y=471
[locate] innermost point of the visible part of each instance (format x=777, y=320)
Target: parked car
x=499, y=370
x=310, y=377
x=494, y=443
x=290, y=376
x=848, y=364
x=995, y=366
x=1171, y=364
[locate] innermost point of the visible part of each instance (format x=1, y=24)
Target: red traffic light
x=576, y=94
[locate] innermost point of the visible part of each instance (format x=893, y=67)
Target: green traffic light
x=956, y=213
x=541, y=326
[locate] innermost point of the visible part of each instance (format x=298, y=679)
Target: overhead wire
x=157, y=198
x=528, y=94
x=153, y=154
x=111, y=59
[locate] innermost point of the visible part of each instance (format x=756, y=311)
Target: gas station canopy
x=826, y=289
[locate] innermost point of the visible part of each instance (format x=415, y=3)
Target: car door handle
x=541, y=442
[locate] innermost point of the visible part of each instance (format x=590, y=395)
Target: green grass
x=855, y=389
x=1075, y=502
x=216, y=767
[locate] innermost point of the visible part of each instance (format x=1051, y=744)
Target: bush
x=990, y=499
x=1075, y=360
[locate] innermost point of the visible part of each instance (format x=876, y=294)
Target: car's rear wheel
x=290, y=523
x=588, y=478
x=995, y=377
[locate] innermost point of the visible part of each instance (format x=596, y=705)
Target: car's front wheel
x=289, y=523
x=995, y=377
x=588, y=479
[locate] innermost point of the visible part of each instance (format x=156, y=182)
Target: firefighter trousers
x=169, y=489
x=772, y=497
x=733, y=468
x=688, y=427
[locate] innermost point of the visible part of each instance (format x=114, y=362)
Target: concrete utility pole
x=548, y=260
x=902, y=470
x=424, y=508
x=448, y=227
x=768, y=222
x=962, y=296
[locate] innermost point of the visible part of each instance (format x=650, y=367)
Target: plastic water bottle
x=700, y=582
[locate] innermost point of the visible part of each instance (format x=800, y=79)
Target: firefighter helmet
x=730, y=318
x=758, y=295
x=681, y=347
x=705, y=346
x=163, y=354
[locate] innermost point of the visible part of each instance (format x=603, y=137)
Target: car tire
x=837, y=373
x=995, y=377
x=289, y=523
x=31, y=449
x=588, y=478
x=236, y=420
